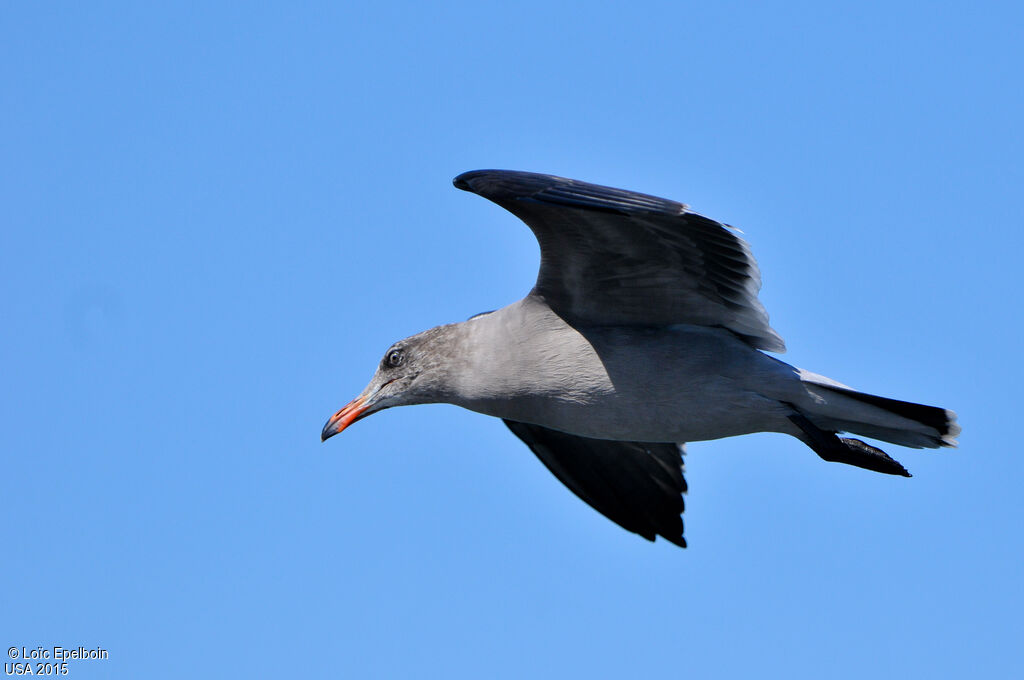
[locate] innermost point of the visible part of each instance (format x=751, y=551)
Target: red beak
x=343, y=418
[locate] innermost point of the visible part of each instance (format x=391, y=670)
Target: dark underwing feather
x=638, y=486
x=616, y=257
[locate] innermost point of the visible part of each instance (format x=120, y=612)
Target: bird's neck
x=521, y=357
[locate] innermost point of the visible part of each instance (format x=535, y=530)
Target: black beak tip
x=329, y=431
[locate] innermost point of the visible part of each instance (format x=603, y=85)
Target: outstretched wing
x=638, y=486
x=615, y=257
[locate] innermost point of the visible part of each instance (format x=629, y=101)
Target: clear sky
x=215, y=221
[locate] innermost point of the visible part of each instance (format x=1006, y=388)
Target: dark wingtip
x=504, y=184
x=508, y=187
x=677, y=540
x=469, y=181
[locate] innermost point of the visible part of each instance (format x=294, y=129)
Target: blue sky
x=216, y=219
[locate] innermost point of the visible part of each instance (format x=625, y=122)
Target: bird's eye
x=395, y=358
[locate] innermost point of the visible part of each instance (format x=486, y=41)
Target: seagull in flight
x=643, y=331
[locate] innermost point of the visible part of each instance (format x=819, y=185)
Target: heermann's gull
x=642, y=332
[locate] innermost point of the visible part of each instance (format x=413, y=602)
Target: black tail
x=837, y=408
x=932, y=416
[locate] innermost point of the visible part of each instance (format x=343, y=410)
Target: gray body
x=680, y=383
x=642, y=332
x=695, y=383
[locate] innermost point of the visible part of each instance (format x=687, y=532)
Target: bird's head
x=413, y=371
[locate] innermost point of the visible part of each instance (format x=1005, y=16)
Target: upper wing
x=638, y=486
x=610, y=256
